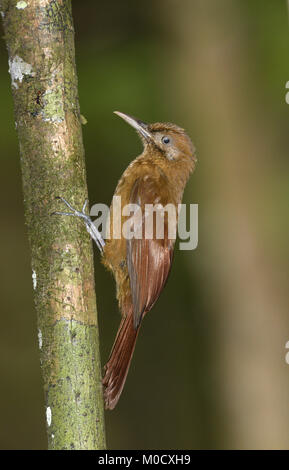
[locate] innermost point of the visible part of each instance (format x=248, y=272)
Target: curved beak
x=140, y=126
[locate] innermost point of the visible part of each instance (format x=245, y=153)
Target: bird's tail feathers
x=117, y=367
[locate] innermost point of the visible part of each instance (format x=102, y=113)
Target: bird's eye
x=166, y=140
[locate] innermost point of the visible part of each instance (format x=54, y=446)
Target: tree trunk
x=40, y=40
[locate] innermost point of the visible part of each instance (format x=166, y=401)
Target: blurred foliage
x=194, y=381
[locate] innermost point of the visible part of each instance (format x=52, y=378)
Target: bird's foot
x=90, y=227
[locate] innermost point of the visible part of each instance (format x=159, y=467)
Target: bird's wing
x=148, y=260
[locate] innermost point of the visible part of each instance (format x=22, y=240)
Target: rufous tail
x=118, y=364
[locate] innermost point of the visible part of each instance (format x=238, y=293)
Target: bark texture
x=40, y=41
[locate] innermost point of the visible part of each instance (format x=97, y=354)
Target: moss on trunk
x=40, y=41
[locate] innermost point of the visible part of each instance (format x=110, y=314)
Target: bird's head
x=168, y=139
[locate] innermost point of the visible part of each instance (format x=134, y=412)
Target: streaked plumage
x=141, y=266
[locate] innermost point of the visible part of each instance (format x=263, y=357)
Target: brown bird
x=141, y=265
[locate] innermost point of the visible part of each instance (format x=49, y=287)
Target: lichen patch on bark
x=21, y=5
x=53, y=110
x=18, y=68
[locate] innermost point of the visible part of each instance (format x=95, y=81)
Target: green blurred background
x=209, y=369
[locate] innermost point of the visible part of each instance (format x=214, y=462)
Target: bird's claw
x=90, y=227
x=74, y=212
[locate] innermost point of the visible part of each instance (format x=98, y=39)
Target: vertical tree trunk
x=40, y=40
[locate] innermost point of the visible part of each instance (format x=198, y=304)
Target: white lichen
x=48, y=416
x=18, y=69
x=287, y=355
x=40, y=339
x=34, y=279
x=21, y=5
